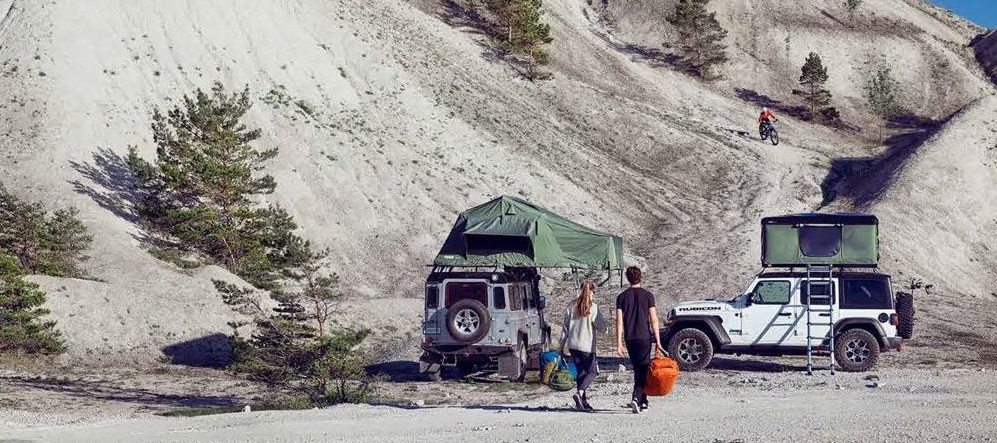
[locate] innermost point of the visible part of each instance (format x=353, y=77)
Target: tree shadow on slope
x=764, y=101
x=113, y=183
x=468, y=19
x=210, y=351
x=463, y=16
x=863, y=180
x=109, y=390
x=651, y=56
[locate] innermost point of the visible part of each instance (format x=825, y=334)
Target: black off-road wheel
x=691, y=348
x=468, y=321
x=905, y=314
x=774, y=136
x=856, y=350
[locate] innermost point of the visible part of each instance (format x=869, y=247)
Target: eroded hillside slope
x=768, y=41
x=389, y=121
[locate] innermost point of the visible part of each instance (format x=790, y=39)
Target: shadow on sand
x=864, y=179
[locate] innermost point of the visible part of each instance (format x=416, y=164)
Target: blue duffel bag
x=551, y=362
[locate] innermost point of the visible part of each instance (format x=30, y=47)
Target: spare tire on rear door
x=468, y=321
x=904, y=305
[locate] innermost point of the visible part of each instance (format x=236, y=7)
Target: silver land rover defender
x=483, y=321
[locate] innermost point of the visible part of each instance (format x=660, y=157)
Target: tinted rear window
x=865, y=294
x=820, y=241
x=460, y=291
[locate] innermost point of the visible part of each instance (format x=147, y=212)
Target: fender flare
x=849, y=323
x=714, y=328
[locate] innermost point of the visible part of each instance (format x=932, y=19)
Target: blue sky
x=982, y=12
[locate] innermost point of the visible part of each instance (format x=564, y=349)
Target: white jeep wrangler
x=853, y=313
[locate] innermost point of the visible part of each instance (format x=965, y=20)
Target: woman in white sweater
x=582, y=318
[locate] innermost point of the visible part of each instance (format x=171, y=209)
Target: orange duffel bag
x=661, y=375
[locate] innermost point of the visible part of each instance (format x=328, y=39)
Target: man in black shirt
x=636, y=322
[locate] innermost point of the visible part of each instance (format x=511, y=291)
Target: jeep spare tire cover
x=468, y=321
x=905, y=314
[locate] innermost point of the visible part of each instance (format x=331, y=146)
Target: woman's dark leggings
x=640, y=358
x=585, y=364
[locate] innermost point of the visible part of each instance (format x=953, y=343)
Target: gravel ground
x=711, y=406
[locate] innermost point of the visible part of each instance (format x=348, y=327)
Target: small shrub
x=294, y=346
x=176, y=257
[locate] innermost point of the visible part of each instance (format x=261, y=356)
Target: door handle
x=826, y=314
x=785, y=314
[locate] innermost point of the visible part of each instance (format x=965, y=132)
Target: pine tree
x=522, y=31
x=884, y=96
x=852, y=5
x=813, y=78
x=43, y=243
x=700, y=36
x=200, y=191
x=21, y=326
x=293, y=345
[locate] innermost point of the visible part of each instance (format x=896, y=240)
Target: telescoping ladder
x=820, y=312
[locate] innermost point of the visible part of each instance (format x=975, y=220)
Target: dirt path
x=716, y=405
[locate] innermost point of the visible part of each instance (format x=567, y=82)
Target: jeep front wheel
x=856, y=350
x=691, y=348
x=468, y=321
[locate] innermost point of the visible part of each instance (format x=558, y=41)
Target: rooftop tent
x=511, y=232
x=820, y=239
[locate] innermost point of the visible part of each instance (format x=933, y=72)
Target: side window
x=823, y=292
x=515, y=298
x=771, y=292
x=865, y=294
x=527, y=297
x=432, y=297
x=498, y=297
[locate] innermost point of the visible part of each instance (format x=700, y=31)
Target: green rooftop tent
x=511, y=232
x=844, y=240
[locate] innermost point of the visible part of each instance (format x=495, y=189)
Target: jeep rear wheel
x=468, y=321
x=691, y=348
x=856, y=350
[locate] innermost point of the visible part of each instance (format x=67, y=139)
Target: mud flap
x=509, y=366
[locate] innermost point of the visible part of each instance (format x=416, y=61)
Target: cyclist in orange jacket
x=765, y=116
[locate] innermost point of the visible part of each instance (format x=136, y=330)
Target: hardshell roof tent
x=511, y=232
x=843, y=240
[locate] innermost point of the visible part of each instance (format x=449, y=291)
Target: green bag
x=562, y=380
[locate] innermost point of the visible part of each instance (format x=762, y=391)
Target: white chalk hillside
x=390, y=120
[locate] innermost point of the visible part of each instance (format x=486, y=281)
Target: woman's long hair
x=583, y=304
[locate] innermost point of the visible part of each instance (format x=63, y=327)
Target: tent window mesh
x=820, y=241
x=490, y=244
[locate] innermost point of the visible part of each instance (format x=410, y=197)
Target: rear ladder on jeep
x=820, y=312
